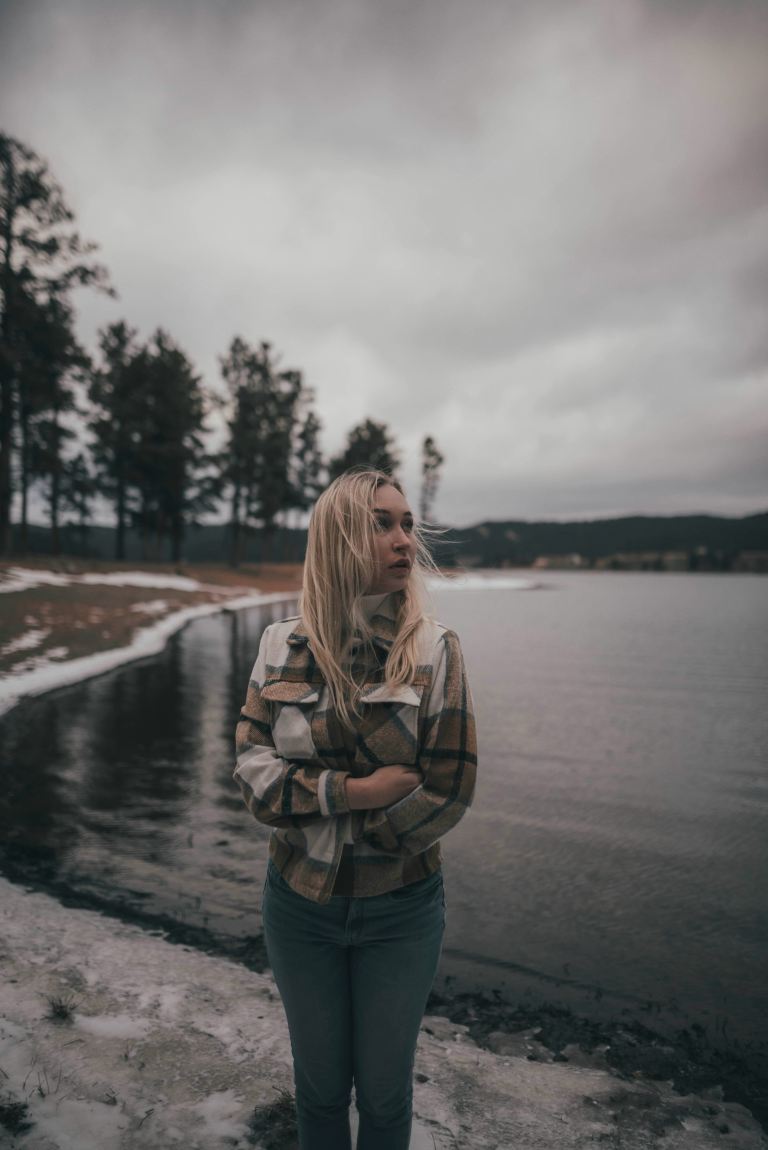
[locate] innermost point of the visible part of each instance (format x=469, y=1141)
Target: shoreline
x=545, y=1034
x=136, y=1008
x=687, y=1062
x=131, y=618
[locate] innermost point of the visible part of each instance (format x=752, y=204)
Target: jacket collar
x=382, y=620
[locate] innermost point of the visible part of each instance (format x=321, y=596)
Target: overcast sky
x=535, y=231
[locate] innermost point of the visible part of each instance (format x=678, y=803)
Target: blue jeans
x=354, y=975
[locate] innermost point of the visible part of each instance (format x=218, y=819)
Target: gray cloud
x=536, y=232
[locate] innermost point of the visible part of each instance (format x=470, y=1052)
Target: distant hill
x=704, y=541
x=519, y=542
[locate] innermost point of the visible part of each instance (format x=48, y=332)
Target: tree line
x=130, y=422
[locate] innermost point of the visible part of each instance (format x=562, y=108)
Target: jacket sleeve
x=447, y=759
x=277, y=791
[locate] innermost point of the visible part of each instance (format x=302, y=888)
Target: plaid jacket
x=292, y=762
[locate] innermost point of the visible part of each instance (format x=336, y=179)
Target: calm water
x=615, y=858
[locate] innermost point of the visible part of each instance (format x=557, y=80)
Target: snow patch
x=23, y=578
x=475, y=581
x=74, y=1124
x=221, y=1114
x=145, y=579
x=165, y=1001
x=151, y=606
x=113, y=1025
x=147, y=642
x=24, y=642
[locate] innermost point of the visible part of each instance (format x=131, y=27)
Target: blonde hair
x=339, y=567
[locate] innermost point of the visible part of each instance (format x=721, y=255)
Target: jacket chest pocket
x=292, y=706
x=389, y=731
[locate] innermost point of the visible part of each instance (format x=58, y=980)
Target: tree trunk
x=55, y=484
x=120, y=533
x=24, y=477
x=234, y=539
x=177, y=536
x=266, y=541
x=7, y=381
x=161, y=531
x=143, y=530
x=82, y=528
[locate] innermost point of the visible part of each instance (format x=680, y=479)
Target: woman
x=356, y=744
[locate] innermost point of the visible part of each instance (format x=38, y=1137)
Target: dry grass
x=273, y=1127
x=61, y=1007
x=13, y=1115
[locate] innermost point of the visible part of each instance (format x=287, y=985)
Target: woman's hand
x=385, y=786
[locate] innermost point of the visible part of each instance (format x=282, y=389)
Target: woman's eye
x=385, y=525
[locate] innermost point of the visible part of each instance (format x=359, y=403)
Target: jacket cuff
x=332, y=793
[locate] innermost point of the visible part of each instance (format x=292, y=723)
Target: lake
x=616, y=855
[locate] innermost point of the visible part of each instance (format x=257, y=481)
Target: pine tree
x=51, y=364
x=79, y=488
x=309, y=465
x=170, y=463
x=115, y=395
x=431, y=462
x=41, y=259
x=257, y=463
x=369, y=444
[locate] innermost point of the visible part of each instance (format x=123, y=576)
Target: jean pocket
x=422, y=888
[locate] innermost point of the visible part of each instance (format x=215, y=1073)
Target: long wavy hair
x=339, y=567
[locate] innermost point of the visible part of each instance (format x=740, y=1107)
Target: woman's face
x=395, y=545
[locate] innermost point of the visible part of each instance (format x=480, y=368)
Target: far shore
x=66, y=620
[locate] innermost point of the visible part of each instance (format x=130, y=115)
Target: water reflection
x=111, y=783
x=617, y=829
x=37, y=805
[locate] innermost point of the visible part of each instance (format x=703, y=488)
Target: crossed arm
x=281, y=793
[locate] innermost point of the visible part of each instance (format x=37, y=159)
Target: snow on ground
x=474, y=581
x=168, y=1047
x=31, y=638
x=151, y=606
x=147, y=579
x=48, y=674
x=23, y=578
